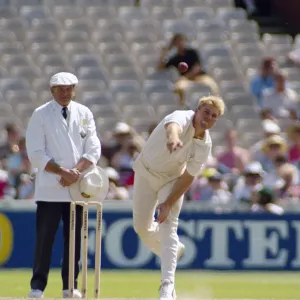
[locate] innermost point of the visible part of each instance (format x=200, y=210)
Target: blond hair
x=215, y=101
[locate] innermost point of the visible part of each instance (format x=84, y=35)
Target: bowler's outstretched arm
x=172, y=133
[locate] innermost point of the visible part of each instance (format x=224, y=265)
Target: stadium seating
x=113, y=47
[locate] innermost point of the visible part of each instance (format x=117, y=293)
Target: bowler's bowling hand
x=163, y=212
x=174, y=143
x=70, y=175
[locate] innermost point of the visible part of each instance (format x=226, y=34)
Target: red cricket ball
x=183, y=67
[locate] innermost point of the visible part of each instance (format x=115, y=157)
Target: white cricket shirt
x=156, y=157
x=281, y=103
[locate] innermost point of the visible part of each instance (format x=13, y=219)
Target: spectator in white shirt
x=219, y=193
x=121, y=134
x=294, y=56
x=280, y=102
x=283, y=177
x=247, y=186
x=115, y=192
x=270, y=128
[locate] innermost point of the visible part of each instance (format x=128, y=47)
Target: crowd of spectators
x=269, y=168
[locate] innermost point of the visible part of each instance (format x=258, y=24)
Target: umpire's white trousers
x=162, y=239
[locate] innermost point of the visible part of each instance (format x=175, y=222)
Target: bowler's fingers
x=177, y=146
x=174, y=146
x=170, y=147
x=158, y=219
x=161, y=214
x=161, y=217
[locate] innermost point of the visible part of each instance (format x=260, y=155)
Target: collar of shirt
x=205, y=139
x=59, y=107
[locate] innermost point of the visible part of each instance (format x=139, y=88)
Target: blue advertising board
x=235, y=241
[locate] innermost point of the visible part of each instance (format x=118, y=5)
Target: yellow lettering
x=6, y=239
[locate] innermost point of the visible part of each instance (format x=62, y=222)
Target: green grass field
x=144, y=284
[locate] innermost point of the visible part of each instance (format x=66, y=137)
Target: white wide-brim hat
x=92, y=185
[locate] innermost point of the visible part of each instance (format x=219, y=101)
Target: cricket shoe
x=76, y=294
x=180, y=251
x=36, y=294
x=167, y=291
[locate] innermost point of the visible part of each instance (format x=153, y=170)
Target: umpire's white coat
x=50, y=136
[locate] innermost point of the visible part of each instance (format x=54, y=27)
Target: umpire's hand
x=69, y=176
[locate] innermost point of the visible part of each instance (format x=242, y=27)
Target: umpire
x=61, y=143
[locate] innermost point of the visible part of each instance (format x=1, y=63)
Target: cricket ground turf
x=190, y=285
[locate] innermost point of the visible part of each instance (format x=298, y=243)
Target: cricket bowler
x=173, y=155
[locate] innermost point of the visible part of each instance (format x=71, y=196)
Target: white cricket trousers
x=162, y=239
